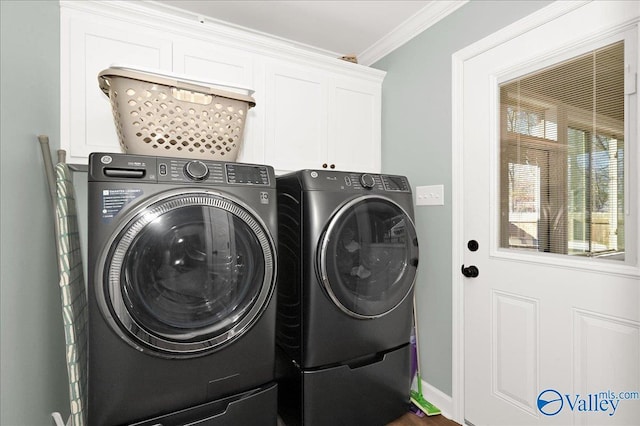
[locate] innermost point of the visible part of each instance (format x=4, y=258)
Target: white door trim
x=528, y=23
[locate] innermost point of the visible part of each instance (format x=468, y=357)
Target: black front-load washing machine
x=182, y=269
x=348, y=256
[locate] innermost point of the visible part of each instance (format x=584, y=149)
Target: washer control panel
x=180, y=169
x=177, y=170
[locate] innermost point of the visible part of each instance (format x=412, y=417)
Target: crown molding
x=426, y=17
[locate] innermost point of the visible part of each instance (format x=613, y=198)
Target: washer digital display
x=256, y=175
x=395, y=183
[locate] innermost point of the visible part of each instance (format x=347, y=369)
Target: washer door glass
x=189, y=274
x=368, y=256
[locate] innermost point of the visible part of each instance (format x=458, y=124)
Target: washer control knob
x=367, y=181
x=196, y=170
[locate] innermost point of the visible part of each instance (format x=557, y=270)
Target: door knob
x=470, y=271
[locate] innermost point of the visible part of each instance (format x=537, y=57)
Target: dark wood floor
x=411, y=419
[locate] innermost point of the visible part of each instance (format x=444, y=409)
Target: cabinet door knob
x=333, y=166
x=324, y=166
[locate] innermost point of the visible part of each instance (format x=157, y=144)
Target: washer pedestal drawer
x=257, y=407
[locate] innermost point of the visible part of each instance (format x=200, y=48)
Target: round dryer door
x=368, y=256
x=187, y=274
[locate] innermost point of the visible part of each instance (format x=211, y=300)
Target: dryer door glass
x=368, y=257
x=190, y=273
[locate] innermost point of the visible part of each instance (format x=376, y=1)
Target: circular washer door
x=188, y=273
x=368, y=256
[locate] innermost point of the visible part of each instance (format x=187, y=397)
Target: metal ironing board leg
x=48, y=165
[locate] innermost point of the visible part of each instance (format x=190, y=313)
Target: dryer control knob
x=196, y=170
x=367, y=181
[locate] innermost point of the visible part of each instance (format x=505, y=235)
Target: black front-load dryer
x=348, y=260
x=182, y=269
x=348, y=255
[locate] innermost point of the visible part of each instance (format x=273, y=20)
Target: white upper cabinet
x=355, y=125
x=91, y=46
x=295, y=117
x=321, y=120
x=311, y=111
x=203, y=60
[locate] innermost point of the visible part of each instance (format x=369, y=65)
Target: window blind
x=562, y=157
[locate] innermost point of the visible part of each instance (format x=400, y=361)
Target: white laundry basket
x=165, y=114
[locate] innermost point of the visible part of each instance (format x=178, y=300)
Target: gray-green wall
x=33, y=373
x=416, y=141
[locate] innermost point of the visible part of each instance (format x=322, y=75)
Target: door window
x=368, y=257
x=563, y=157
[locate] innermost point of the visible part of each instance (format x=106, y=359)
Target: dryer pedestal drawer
x=373, y=394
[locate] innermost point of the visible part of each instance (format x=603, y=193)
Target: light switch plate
x=431, y=195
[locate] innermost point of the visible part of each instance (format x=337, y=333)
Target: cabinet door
x=212, y=62
x=215, y=63
x=91, y=44
x=355, y=125
x=296, y=118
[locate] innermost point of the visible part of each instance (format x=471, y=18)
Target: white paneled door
x=549, y=338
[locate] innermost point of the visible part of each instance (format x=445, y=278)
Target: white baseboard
x=438, y=398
